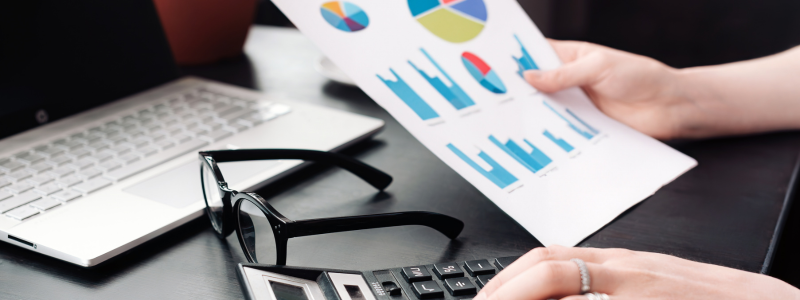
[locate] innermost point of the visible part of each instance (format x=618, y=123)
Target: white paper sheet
x=409, y=56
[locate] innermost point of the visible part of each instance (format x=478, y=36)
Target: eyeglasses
x=264, y=233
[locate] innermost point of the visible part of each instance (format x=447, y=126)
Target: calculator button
x=427, y=290
x=479, y=267
x=414, y=274
x=460, y=286
x=483, y=280
x=503, y=262
x=448, y=270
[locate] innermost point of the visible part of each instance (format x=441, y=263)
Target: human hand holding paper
x=666, y=103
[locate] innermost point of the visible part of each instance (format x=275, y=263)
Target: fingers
x=583, y=297
x=585, y=70
x=539, y=255
x=550, y=279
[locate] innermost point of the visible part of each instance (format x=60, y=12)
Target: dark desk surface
x=725, y=211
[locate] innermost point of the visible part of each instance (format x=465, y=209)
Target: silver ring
x=586, y=281
x=598, y=296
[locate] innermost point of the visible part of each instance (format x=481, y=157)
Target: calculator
x=442, y=281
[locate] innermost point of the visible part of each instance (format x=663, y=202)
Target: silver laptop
x=88, y=171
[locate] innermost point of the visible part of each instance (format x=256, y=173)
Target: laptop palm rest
x=180, y=186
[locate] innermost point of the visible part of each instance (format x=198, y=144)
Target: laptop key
x=111, y=165
x=43, y=178
x=21, y=187
x=129, y=158
x=217, y=135
x=66, y=195
x=154, y=160
x=23, y=212
x=4, y=181
x=148, y=151
x=91, y=172
x=48, y=189
x=59, y=160
x=49, y=151
x=21, y=174
x=165, y=144
x=70, y=180
x=63, y=171
x=30, y=158
x=5, y=195
x=18, y=201
x=45, y=204
x=41, y=167
x=92, y=185
x=84, y=163
x=11, y=165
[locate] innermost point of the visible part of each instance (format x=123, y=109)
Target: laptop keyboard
x=47, y=176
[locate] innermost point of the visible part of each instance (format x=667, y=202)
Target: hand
x=546, y=273
x=636, y=90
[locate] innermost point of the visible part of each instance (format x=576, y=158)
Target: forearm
x=740, y=98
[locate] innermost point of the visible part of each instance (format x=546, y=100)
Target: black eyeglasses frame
x=285, y=228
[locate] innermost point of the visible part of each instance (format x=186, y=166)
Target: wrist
x=696, y=110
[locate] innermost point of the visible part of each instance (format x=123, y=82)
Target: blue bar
x=454, y=94
x=411, y=98
x=525, y=62
x=582, y=122
x=560, y=142
x=534, y=161
x=587, y=135
x=498, y=175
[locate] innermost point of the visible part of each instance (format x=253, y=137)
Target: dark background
x=679, y=33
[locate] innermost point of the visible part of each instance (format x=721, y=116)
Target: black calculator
x=445, y=281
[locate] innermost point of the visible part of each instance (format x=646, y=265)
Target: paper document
x=450, y=71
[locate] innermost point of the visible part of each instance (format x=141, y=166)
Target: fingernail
x=533, y=73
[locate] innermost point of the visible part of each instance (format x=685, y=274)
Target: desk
x=725, y=211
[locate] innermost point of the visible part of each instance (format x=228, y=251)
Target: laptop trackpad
x=180, y=186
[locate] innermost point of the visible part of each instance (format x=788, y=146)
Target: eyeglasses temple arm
x=447, y=225
x=371, y=175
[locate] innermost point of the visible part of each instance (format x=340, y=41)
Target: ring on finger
x=586, y=281
x=597, y=296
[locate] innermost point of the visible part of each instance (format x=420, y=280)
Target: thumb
x=581, y=72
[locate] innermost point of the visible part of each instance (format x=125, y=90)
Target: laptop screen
x=58, y=58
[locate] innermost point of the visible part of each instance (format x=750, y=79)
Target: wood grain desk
x=727, y=211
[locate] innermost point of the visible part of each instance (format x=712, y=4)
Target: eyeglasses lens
x=213, y=197
x=256, y=230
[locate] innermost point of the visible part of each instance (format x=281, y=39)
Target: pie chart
x=455, y=21
x=345, y=16
x=483, y=73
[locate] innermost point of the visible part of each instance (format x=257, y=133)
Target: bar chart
x=409, y=96
x=558, y=141
x=498, y=175
x=588, y=131
x=534, y=160
x=453, y=93
x=525, y=62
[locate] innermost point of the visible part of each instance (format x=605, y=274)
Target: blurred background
x=679, y=33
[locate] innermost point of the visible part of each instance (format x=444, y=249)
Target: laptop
x=99, y=134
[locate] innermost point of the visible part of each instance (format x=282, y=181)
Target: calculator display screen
x=284, y=291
